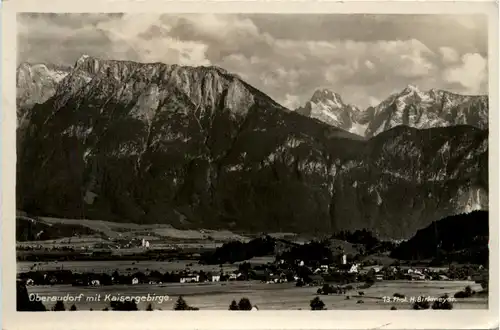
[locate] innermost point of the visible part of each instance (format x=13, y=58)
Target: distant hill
x=239, y=251
x=460, y=238
x=29, y=229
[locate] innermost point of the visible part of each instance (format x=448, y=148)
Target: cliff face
x=198, y=147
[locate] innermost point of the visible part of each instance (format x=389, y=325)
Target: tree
x=59, y=306
x=468, y=291
x=421, y=303
x=180, y=304
x=233, y=306
x=317, y=304
x=72, y=308
x=124, y=306
x=443, y=303
x=244, y=304
x=23, y=302
x=149, y=308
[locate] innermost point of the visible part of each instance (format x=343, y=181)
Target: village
x=279, y=271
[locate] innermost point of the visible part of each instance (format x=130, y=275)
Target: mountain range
x=199, y=147
x=410, y=107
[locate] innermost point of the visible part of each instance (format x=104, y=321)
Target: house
x=215, y=278
x=353, y=269
x=413, y=271
x=379, y=277
x=190, y=279
x=96, y=283
x=153, y=281
x=30, y=281
x=417, y=277
x=417, y=271
x=135, y=280
x=233, y=277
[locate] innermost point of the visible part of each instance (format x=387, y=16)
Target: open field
x=156, y=232
x=118, y=230
x=218, y=296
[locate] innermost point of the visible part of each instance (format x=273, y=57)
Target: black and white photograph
x=252, y=161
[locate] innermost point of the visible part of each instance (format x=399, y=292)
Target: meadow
x=285, y=296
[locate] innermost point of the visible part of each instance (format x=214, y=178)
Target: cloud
x=291, y=101
x=449, y=55
x=373, y=101
x=362, y=57
x=369, y=65
x=471, y=73
x=151, y=42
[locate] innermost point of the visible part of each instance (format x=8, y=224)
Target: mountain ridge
x=198, y=148
x=432, y=108
x=331, y=110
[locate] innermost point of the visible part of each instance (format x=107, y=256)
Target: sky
x=364, y=58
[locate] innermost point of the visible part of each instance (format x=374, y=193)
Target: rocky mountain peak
x=327, y=96
x=426, y=109
x=328, y=107
x=411, y=89
x=204, y=86
x=82, y=59
x=35, y=84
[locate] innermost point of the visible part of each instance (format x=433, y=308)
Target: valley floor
x=285, y=296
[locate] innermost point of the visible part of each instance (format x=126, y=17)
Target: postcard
x=323, y=165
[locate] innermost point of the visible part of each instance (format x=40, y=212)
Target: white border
x=338, y=319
